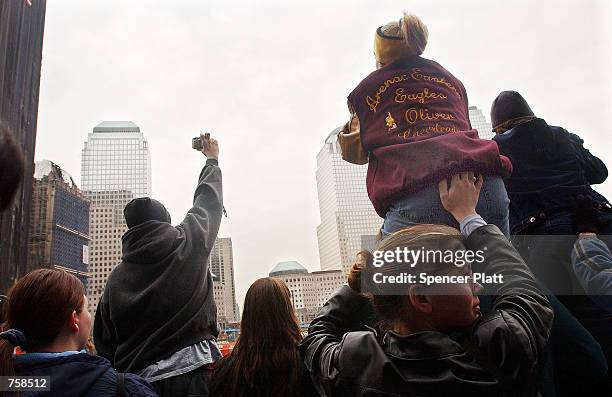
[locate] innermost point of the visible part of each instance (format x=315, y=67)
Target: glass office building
x=480, y=123
x=115, y=168
x=116, y=157
x=347, y=216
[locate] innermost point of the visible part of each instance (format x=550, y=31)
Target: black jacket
x=496, y=357
x=159, y=299
x=79, y=375
x=550, y=166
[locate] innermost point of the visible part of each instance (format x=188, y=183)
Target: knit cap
x=508, y=109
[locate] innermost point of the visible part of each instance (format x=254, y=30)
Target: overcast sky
x=269, y=79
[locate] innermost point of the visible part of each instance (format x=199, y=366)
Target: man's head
x=11, y=167
x=145, y=209
x=508, y=110
x=418, y=306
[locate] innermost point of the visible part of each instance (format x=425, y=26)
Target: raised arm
x=509, y=339
x=512, y=336
x=202, y=222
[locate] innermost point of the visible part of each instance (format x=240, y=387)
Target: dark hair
x=11, y=167
x=389, y=305
x=265, y=360
x=39, y=305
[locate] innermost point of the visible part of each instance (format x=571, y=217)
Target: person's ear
x=418, y=300
x=74, y=322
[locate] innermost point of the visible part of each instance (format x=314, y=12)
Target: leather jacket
x=497, y=356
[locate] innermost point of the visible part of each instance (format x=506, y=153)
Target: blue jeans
x=425, y=206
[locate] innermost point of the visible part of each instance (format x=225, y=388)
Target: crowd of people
x=524, y=200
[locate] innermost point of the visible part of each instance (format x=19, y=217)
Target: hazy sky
x=269, y=79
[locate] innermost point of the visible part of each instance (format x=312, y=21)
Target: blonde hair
x=387, y=304
x=397, y=39
x=415, y=34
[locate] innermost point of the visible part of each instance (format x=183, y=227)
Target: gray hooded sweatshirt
x=159, y=299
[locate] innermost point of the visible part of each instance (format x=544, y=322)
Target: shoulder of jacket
x=432, y=63
x=436, y=65
x=559, y=130
x=364, y=84
x=358, y=346
x=378, y=76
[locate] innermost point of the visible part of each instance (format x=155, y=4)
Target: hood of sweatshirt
x=149, y=242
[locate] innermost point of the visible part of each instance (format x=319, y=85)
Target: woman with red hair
x=48, y=326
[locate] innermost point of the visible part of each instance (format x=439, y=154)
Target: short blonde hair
x=415, y=34
x=397, y=39
x=389, y=305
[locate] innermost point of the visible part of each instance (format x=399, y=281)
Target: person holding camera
x=157, y=317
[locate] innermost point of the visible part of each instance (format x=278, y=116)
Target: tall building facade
x=347, y=215
x=309, y=291
x=107, y=226
x=116, y=157
x=221, y=264
x=21, y=40
x=479, y=122
x=59, y=223
x=115, y=168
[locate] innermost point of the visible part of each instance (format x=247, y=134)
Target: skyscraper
x=480, y=123
x=221, y=262
x=115, y=168
x=347, y=215
x=116, y=157
x=21, y=41
x=59, y=223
